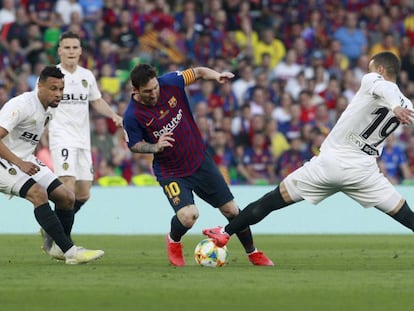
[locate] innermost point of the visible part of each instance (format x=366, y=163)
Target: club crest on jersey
x=176, y=200
x=65, y=166
x=84, y=83
x=12, y=171
x=172, y=102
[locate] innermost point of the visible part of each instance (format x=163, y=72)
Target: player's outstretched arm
x=103, y=108
x=210, y=74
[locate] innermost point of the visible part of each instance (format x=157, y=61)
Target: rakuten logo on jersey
x=170, y=126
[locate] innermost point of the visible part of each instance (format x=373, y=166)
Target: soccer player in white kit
x=347, y=161
x=69, y=129
x=22, y=121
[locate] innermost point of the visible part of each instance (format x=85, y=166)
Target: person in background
x=69, y=128
x=22, y=122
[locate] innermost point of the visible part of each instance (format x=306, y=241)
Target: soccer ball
x=208, y=254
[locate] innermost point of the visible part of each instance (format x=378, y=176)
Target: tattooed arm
x=165, y=140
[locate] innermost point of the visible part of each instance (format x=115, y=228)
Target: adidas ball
x=208, y=254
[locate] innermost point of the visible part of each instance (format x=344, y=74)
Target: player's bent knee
x=188, y=215
x=230, y=209
x=36, y=194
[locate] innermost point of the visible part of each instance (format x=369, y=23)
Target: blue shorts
x=207, y=182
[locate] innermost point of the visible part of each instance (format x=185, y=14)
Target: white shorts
x=323, y=176
x=12, y=178
x=72, y=162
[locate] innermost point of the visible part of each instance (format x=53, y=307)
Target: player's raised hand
x=117, y=120
x=225, y=76
x=404, y=115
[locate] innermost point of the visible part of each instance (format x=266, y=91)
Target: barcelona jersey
x=172, y=113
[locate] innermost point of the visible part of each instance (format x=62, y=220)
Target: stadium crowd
x=297, y=65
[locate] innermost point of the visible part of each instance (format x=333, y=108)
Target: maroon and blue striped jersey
x=172, y=113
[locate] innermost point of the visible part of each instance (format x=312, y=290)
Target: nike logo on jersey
x=150, y=122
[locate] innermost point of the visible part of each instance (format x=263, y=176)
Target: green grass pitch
x=312, y=272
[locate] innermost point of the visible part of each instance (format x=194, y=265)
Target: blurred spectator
x=291, y=159
x=282, y=113
x=77, y=25
x=314, y=142
x=315, y=33
x=270, y=44
x=207, y=94
x=7, y=13
x=12, y=60
x=294, y=125
x=92, y=10
x=101, y=140
x=361, y=67
x=222, y=154
x=127, y=42
x=65, y=8
x=142, y=171
x=307, y=106
x=258, y=161
x=108, y=81
x=352, y=38
x=257, y=124
x=41, y=13
x=188, y=6
x=51, y=35
x=277, y=140
x=243, y=83
x=205, y=127
x=240, y=126
x=387, y=43
x=257, y=101
x=109, y=175
x=287, y=68
x=105, y=54
x=393, y=162
x=230, y=104
x=322, y=120
x=409, y=152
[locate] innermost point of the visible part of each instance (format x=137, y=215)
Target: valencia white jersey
x=70, y=125
x=358, y=136
x=24, y=117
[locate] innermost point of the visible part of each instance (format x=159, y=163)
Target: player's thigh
x=179, y=192
x=375, y=190
x=313, y=181
x=44, y=177
x=210, y=185
x=15, y=182
x=12, y=178
x=73, y=162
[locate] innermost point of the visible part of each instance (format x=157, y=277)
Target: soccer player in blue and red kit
x=159, y=120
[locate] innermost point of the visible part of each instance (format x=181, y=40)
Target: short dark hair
x=141, y=74
x=50, y=71
x=69, y=35
x=390, y=62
